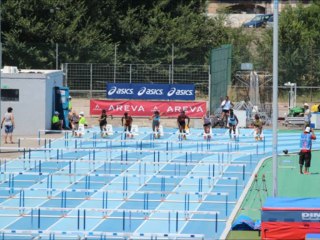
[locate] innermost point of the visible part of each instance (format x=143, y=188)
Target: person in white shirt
x=307, y=115
x=226, y=105
x=8, y=123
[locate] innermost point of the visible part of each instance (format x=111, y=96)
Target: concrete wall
x=214, y=7
x=235, y=20
x=33, y=111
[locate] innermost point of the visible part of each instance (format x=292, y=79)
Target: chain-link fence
x=89, y=80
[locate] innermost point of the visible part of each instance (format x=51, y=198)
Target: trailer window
x=10, y=95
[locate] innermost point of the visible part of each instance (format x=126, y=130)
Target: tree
x=299, y=38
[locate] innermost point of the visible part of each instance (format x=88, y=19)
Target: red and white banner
x=146, y=108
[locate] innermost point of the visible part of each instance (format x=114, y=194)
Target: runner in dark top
x=127, y=122
x=181, y=120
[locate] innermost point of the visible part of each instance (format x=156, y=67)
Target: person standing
x=305, y=149
x=69, y=103
x=74, y=121
x=307, y=115
x=181, y=120
x=226, y=105
x=258, y=127
x=206, y=123
x=156, y=123
x=103, y=122
x=82, y=119
x=8, y=123
x=233, y=122
x=127, y=122
x=82, y=125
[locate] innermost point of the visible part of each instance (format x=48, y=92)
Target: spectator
x=8, y=123
x=307, y=115
x=56, y=123
x=305, y=149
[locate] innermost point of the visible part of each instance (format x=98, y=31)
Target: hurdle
x=107, y=212
x=108, y=173
x=101, y=235
x=90, y=131
x=37, y=163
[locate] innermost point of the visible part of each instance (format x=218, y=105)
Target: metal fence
x=90, y=79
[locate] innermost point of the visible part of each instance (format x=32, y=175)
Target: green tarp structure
x=220, y=75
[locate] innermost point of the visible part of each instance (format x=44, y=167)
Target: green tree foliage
x=299, y=41
x=144, y=31
x=32, y=28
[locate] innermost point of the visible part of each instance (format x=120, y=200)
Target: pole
x=115, y=64
x=209, y=90
x=275, y=99
x=57, y=56
x=0, y=69
x=172, y=63
x=91, y=80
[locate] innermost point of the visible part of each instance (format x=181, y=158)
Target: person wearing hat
x=305, y=149
x=81, y=126
x=307, y=115
x=181, y=120
x=56, y=123
x=82, y=119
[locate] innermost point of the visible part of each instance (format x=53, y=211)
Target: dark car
x=269, y=23
x=258, y=21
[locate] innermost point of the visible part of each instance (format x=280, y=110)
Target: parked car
x=258, y=21
x=269, y=23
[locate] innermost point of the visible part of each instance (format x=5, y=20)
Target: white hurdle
x=80, y=132
x=108, y=131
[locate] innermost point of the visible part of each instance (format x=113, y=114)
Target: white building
x=31, y=95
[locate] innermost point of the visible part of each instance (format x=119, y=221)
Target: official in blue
x=305, y=149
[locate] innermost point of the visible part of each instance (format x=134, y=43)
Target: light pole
x=275, y=99
x=0, y=69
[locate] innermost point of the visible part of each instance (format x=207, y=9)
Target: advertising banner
x=146, y=108
x=151, y=91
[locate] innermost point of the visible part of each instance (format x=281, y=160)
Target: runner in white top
x=206, y=123
x=226, y=105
